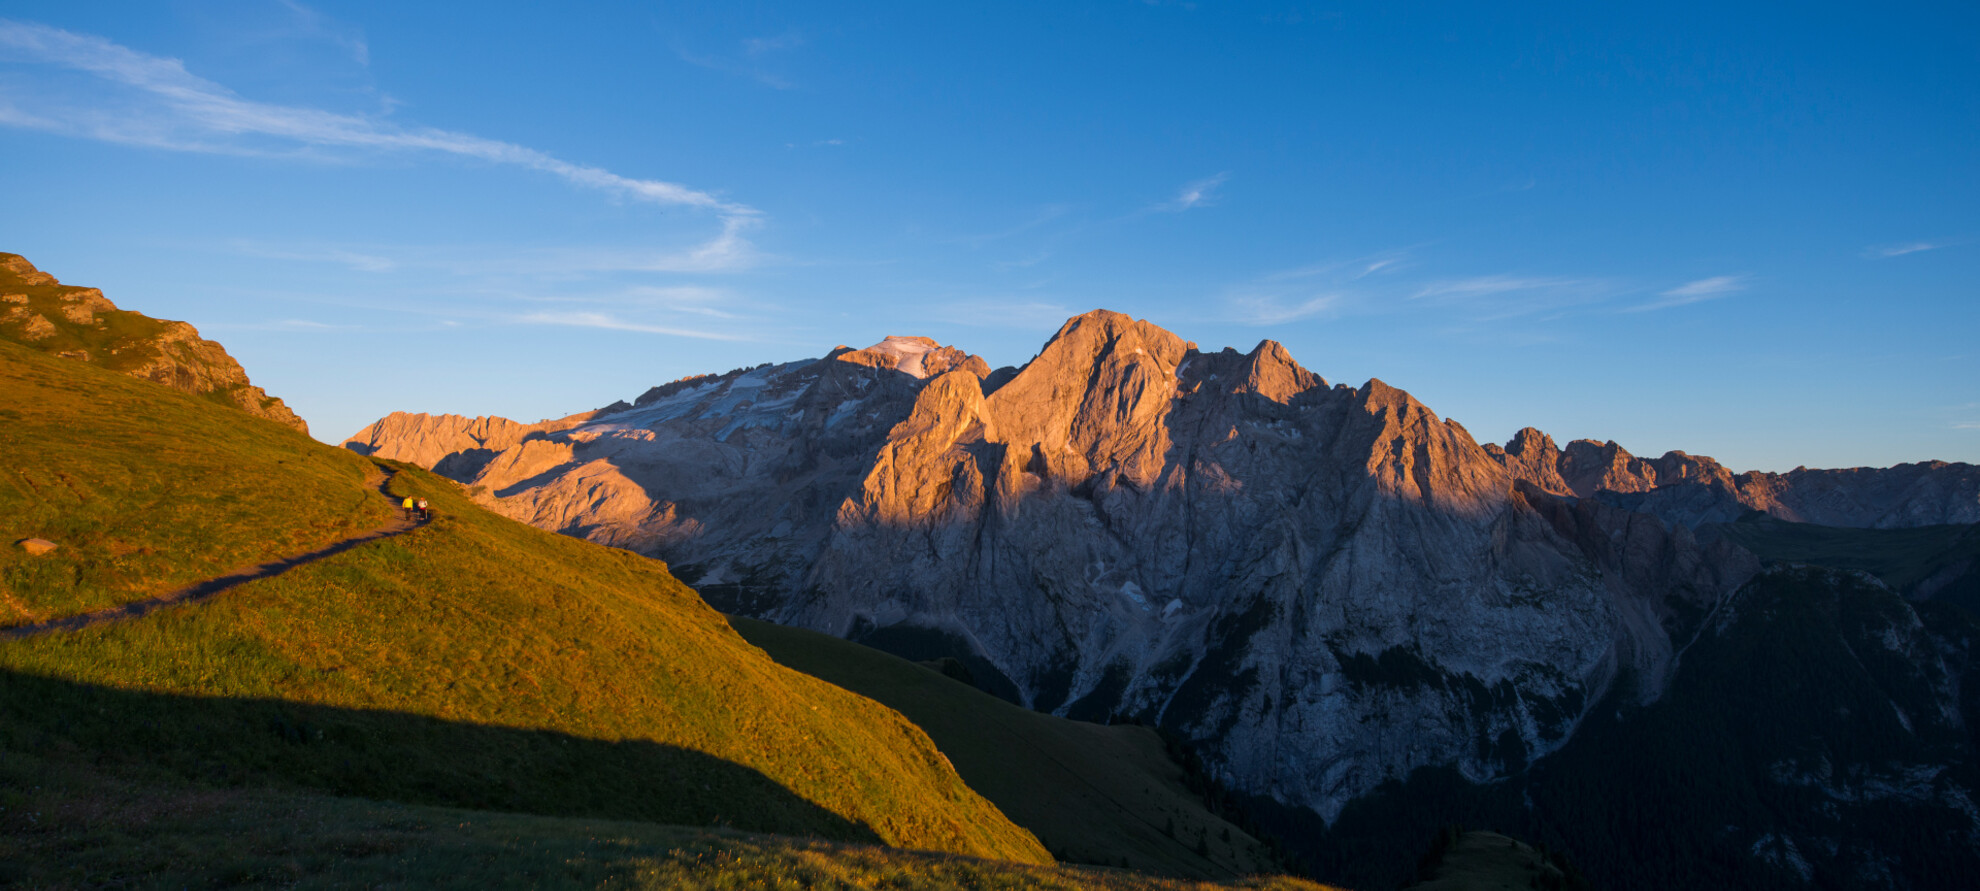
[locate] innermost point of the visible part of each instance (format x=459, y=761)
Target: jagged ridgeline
x=1355, y=612
x=475, y=662
x=43, y=314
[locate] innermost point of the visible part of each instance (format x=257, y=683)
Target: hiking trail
x=398, y=524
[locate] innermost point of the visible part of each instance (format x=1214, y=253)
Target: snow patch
x=908, y=353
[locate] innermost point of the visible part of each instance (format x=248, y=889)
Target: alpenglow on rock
x=1324, y=586
x=43, y=314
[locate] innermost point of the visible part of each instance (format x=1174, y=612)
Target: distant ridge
x=1694, y=490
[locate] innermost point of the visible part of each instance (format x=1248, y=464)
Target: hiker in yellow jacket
x=407, y=506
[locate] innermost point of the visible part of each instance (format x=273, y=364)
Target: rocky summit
x=1323, y=586
x=41, y=313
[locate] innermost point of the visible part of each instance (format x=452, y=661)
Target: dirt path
x=193, y=593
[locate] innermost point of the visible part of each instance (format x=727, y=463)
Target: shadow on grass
x=238, y=742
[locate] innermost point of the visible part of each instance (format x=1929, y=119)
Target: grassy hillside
x=146, y=489
x=1091, y=793
x=474, y=662
x=72, y=827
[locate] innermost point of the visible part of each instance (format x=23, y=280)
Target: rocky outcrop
x=1325, y=586
x=80, y=323
x=463, y=444
x=1693, y=490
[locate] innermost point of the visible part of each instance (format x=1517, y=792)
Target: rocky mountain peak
x=1274, y=375
x=23, y=271
x=919, y=357
x=1532, y=456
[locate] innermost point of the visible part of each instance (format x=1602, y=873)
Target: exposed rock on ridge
x=79, y=323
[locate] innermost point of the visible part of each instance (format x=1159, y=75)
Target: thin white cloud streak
x=725, y=252
x=1261, y=309
x=1694, y=292
x=614, y=323
x=1200, y=193
x=317, y=25
x=753, y=49
x=1026, y=315
x=1489, y=285
x=1496, y=298
x=361, y=262
x=1046, y=214
x=757, y=46
x=1898, y=250
x=1320, y=290
x=190, y=113
x=300, y=325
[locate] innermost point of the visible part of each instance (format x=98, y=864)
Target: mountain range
x=1326, y=589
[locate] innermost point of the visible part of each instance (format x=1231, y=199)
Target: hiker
x=408, y=506
x=425, y=513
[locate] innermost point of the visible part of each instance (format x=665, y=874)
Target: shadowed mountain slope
x=1092, y=793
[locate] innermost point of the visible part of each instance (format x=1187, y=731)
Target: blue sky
x=1746, y=231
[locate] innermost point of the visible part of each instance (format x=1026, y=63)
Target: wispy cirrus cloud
x=311, y=23
x=749, y=62
x=726, y=252
x=1032, y=315
x=1273, y=309
x=1886, y=251
x=152, y=101
x=1694, y=292
x=1200, y=193
x=1046, y=214
x=610, y=322
x=1318, y=290
x=300, y=325
x=1497, y=297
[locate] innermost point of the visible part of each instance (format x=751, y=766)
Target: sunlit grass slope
x=146, y=489
x=70, y=827
x=1091, y=793
x=474, y=662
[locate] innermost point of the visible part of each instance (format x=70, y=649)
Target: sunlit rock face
x=1326, y=586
